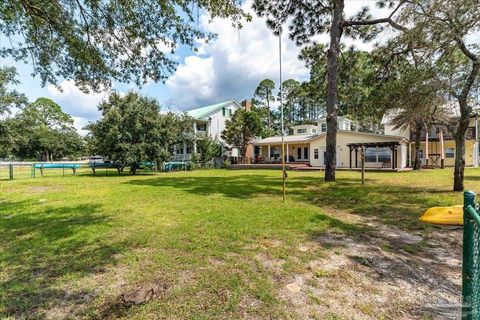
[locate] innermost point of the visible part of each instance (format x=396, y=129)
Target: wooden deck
x=276, y=166
x=305, y=167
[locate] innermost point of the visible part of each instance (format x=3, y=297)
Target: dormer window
x=324, y=127
x=226, y=112
x=303, y=130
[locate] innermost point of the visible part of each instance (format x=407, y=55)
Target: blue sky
x=230, y=67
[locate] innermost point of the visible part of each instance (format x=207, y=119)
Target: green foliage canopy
x=133, y=130
x=241, y=129
x=43, y=131
x=94, y=41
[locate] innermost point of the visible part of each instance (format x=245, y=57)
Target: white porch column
x=288, y=155
x=442, y=151
x=410, y=154
x=426, y=146
x=194, y=137
x=268, y=153
x=475, y=154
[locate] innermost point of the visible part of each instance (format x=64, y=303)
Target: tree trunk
x=269, y=113
x=458, y=174
x=133, y=169
x=332, y=98
x=465, y=112
x=459, y=137
x=418, y=132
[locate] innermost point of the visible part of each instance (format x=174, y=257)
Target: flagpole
x=284, y=173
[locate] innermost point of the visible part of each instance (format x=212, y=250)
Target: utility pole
x=284, y=172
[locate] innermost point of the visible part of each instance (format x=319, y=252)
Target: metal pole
x=468, y=252
x=10, y=167
x=363, y=164
x=284, y=173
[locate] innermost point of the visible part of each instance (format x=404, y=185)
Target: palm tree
x=419, y=118
x=415, y=98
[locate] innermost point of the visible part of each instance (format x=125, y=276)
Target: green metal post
x=468, y=252
x=10, y=171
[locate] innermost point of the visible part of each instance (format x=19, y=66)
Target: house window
x=370, y=154
x=384, y=154
x=449, y=152
x=324, y=127
x=189, y=150
x=275, y=152
x=301, y=130
x=226, y=112
x=315, y=153
x=299, y=153
x=202, y=127
x=305, y=153
x=314, y=130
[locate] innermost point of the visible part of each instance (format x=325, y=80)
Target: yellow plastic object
x=444, y=215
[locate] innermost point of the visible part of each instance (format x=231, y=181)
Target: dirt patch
x=269, y=243
x=141, y=294
x=387, y=273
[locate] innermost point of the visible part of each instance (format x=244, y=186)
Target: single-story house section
x=381, y=151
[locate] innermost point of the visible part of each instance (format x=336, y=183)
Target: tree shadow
x=40, y=249
x=397, y=205
x=240, y=187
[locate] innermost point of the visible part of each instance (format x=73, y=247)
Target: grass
x=72, y=245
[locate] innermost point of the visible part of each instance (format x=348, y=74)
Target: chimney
x=247, y=104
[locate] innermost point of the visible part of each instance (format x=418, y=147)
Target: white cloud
x=74, y=101
x=81, y=106
x=232, y=65
x=79, y=123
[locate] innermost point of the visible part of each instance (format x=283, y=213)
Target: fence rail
x=30, y=170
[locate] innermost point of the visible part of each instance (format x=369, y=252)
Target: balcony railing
x=470, y=135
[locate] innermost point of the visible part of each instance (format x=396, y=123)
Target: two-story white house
x=208, y=121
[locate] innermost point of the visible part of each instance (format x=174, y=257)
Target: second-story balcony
x=201, y=134
x=434, y=136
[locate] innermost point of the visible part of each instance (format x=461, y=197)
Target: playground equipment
x=106, y=165
x=43, y=166
x=176, y=166
x=444, y=215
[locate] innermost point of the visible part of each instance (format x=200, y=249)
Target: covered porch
x=272, y=153
x=376, y=155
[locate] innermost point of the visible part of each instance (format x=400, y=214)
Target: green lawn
x=222, y=245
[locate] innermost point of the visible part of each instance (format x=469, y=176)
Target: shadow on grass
x=391, y=204
x=41, y=249
x=386, y=244
x=241, y=186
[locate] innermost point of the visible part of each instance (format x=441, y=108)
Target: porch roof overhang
x=286, y=139
x=391, y=144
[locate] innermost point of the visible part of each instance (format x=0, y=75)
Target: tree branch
x=465, y=50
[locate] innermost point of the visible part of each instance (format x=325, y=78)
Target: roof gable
x=202, y=112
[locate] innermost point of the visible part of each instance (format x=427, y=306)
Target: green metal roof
x=199, y=113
